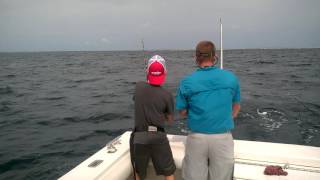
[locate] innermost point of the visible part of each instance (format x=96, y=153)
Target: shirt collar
x=206, y=68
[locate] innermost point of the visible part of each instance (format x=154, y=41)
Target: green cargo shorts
x=160, y=154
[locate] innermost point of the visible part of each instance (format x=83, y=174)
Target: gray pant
x=208, y=156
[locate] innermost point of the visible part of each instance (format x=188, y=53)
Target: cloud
x=120, y=24
x=235, y=27
x=105, y=40
x=146, y=25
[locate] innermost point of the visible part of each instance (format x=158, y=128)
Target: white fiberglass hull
x=113, y=161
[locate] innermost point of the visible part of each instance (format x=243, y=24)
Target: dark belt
x=161, y=129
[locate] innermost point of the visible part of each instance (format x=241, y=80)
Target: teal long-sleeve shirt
x=208, y=95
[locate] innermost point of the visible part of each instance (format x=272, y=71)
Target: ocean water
x=58, y=108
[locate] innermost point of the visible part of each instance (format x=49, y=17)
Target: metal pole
x=221, y=46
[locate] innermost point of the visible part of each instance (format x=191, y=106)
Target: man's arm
x=181, y=103
x=183, y=113
x=235, y=109
x=169, y=118
x=169, y=114
x=236, y=101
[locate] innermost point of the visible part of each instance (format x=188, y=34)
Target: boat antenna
x=221, y=47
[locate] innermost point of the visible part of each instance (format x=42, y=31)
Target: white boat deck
x=251, y=157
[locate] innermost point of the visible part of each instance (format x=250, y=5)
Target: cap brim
x=156, y=80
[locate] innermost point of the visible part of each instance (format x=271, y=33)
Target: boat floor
x=256, y=174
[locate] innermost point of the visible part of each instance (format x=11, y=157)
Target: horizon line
x=43, y=51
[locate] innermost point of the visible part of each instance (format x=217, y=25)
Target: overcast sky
x=51, y=25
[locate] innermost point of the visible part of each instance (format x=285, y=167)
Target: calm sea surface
x=58, y=108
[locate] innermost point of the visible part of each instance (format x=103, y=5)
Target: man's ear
x=215, y=59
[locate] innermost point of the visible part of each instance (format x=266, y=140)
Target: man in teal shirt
x=210, y=99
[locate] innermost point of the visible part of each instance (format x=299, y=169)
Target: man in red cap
x=153, y=107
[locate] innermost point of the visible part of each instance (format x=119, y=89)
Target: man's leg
x=221, y=156
x=137, y=176
x=195, y=162
x=141, y=159
x=163, y=161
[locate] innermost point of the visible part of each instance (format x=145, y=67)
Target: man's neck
x=206, y=64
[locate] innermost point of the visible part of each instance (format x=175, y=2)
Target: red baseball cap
x=156, y=70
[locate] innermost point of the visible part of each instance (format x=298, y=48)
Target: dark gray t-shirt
x=152, y=103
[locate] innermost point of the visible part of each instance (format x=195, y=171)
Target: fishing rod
x=143, y=54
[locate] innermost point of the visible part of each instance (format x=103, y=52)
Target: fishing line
x=143, y=54
x=305, y=106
